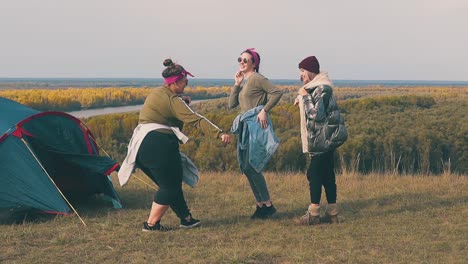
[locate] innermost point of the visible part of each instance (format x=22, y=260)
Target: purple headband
x=255, y=56
x=175, y=78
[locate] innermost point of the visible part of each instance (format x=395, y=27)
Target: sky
x=353, y=40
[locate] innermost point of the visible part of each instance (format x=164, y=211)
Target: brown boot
x=331, y=216
x=311, y=217
x=330, y=219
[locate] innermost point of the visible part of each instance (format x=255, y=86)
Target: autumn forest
x=401, y=130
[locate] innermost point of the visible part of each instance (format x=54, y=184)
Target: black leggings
x=159, y=158
x=322, y=172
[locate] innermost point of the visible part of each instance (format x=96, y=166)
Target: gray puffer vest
x=325, y=127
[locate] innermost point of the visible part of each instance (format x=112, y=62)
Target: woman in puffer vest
x=322, y=131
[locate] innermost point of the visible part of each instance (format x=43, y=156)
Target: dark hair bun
x=168, y=62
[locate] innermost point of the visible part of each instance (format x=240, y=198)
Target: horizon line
x=154, y=78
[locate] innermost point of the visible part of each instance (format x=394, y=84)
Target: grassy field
x=385, y=219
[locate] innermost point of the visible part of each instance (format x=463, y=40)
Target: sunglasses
x=244, y=60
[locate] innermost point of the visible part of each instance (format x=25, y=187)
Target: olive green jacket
x=164, y=107
x=256, y=91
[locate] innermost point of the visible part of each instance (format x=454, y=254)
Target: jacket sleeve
x=185, y=114
x=274, y=93
x=234, y=96
x=315, y=107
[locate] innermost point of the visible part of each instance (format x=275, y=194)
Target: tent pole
x=147, y=184
x=50, y=178
x=95, y=142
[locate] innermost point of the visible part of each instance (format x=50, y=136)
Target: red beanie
x=311, y=64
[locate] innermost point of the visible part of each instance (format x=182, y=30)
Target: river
x=105, y=111
x=110, y=110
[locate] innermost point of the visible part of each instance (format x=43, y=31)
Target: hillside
x=405, y=130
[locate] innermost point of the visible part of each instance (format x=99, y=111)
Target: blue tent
x=48, y=160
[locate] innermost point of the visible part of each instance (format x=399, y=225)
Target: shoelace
x=164, y=228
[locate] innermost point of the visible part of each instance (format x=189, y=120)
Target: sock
x=150, y=225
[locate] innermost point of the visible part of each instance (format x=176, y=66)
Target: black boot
x=268, y=211
x=258, y=212
x=264, y=212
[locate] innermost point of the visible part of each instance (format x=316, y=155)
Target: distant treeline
x=73, y=99
x=414, y=130
x=62, y=83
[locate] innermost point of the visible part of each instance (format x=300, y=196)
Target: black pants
x=321, y=172
x=159, y=158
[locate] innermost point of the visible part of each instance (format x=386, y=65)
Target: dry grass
x=386, y=219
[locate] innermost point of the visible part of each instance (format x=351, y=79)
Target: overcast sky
x=359, y=39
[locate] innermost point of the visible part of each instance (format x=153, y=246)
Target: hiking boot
x=331, y=216
x=330, y=219
x=156, y=227
x=191, y=223
x=258, y=212
x=308, y=219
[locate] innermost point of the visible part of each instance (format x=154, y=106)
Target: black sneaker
x=268, y=211
x=258, y=212
x=156, y=227
x=190, y=223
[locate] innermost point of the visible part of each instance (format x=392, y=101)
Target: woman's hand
x=262, y=118
x=238, y=78
x=225, y=138
x=187, y=99
x=296, y=101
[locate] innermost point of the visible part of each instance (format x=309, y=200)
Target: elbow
x=232, y=106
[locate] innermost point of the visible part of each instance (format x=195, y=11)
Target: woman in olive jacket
x=154, y=147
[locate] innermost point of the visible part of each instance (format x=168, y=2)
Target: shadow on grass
x=245, y=218
x=91, y=207
x=353, y=210
x=397, y=204
x=19, y=216
x=136, y=199
x=394, y=204
x=130, y=199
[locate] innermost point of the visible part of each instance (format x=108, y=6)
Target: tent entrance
x=78, y=176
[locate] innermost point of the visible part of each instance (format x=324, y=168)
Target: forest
x=72, y=99
x=402, y=130
x=394, y=130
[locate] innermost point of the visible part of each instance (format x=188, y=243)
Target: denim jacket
x=260, y=143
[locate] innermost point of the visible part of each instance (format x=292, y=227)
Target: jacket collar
x=320, y=79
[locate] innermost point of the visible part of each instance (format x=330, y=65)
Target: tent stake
x=50, y=178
